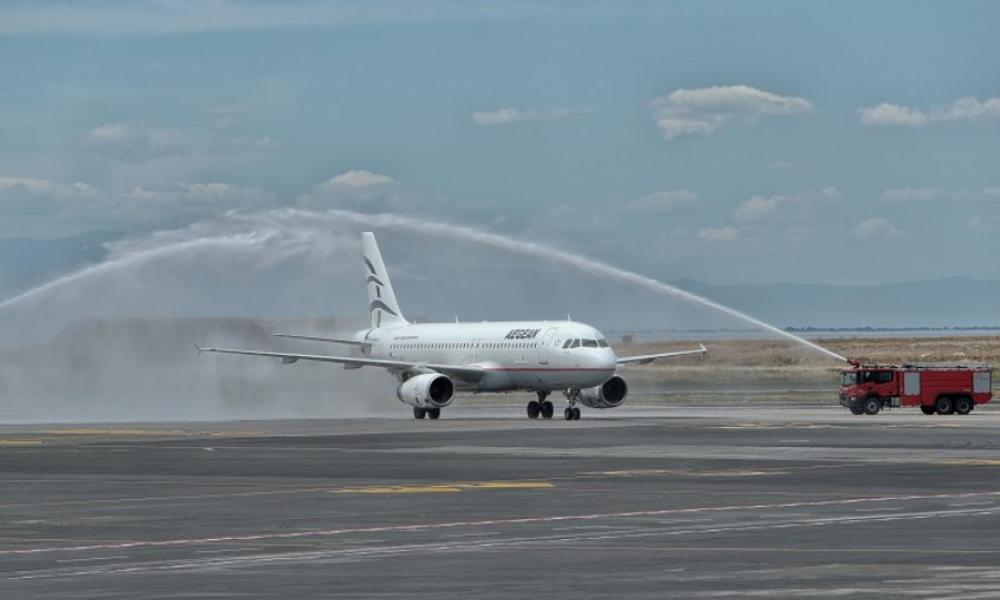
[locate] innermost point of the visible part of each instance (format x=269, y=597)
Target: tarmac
x=629, y=503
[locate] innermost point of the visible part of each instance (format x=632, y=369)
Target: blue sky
x=722, y=141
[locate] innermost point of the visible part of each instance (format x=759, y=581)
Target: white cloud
x=704, y=111
x=665, y=201
x=756, y=208
x=719, y=234
x=134, y=144
x=125, y=142
x=895, y=115
x=357, y=179
x=505, y=116
x=909, y=194
x=32, y=196
x=10, y=186
x=874, y=228
x=42, y=206
x=891, y=115
x=970, y=109
x=792, y=216
x=359, y=190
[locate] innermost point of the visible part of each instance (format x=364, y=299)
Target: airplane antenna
x=568, y=318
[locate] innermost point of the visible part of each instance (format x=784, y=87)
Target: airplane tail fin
x=382, y=305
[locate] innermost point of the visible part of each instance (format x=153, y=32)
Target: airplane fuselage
x=525, y=355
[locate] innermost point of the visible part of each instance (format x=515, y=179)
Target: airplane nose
x=607, y=359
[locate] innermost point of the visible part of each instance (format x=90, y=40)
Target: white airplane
x=433, y=360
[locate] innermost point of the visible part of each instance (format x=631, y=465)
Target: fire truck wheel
x=963, y=405
x=872, y=405
x=927, y=410
x=857, y=410
x=944, y=405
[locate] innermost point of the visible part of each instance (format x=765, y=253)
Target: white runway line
x=497, y=522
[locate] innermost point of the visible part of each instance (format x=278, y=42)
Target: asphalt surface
x=642, y=503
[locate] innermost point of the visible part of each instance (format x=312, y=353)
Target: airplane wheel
x=533, y=409
x=547, y=409
x=576, y=414
x=568, y=413
x=418, y=413
x=434, y=413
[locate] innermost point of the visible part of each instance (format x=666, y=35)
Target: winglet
x=200, y=349
x=702, y=347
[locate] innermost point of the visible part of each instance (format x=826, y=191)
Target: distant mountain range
x=953, y=302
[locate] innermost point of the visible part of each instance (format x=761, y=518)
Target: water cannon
x=854, y=363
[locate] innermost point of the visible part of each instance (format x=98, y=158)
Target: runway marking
x=278, y=535
x=93, y=559
x=688, y=473
x=20, y=442
x=446, y=488
x=88, y=431
x=991, y=462
x=558, y=540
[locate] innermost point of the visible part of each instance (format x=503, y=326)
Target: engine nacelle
x=609, y=395
x=430, y=390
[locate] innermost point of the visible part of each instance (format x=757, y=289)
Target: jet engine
x=430, y=390
x=608, y=395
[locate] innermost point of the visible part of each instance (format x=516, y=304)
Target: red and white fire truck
x=941, y=389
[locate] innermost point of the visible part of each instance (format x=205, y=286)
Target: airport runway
x=634, y=503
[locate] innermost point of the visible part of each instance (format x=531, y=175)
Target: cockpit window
x=589, y=343
x=603, y=343
x=567, y=343
x=575, y=344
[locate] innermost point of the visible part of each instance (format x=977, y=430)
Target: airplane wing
x=465, y=373
x=316, y=338
x=648, y=358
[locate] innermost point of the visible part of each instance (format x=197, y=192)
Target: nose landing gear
x=420, y=413
x=572, y=412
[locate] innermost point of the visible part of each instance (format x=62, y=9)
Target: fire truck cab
x=936, y=389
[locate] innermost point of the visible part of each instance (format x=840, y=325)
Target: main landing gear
x=541, y=407
x=420, y=413
x=572, y=413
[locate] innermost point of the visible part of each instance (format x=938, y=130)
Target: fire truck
x=936, y=389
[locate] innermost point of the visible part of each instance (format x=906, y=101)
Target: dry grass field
x=780, y=371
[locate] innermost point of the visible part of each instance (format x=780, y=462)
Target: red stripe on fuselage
x=545, y=369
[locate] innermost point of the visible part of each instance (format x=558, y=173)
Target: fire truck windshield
x=849, y=378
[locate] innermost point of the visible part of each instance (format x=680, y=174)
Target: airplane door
x=545, y=346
